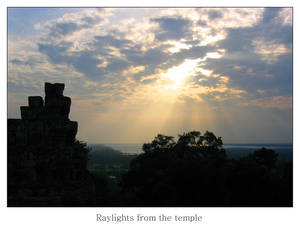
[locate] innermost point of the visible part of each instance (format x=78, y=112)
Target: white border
x=86, y=217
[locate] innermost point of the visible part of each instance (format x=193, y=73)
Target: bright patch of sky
x=135, y=72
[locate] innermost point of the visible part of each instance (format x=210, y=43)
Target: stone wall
x=45, y=162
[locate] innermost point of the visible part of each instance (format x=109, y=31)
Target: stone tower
x=46, y=165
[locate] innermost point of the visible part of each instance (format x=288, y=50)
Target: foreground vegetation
x=192, y=171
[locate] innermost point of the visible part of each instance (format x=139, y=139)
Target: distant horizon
x=287, y=143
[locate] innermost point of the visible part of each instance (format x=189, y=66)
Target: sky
x=135, y=72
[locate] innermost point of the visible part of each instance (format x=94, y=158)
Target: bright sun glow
x=179, y=73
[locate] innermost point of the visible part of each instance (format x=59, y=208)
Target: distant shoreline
x=284, y=150
x=226, y=144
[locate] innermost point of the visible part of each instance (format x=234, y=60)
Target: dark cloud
x=64, y=28
x=29, y=62
x=211, y=82
x=116, y=65
x=86, y=63
x=172, y=28
x=149, y=81
x=68, y=27
x=202, y=23
x=246, y=67
x=158, y=58
x=151, y=57
x=269, y=14
x=254, y=73
x=194, y=52
x=89, y=21
x=213, y=14
x=241, y=62
x=16, y=61
x=55, y=53
x=104, y=41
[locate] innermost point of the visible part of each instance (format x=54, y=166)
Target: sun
x=179, y=73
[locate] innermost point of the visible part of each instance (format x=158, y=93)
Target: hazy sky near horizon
x=135, y=72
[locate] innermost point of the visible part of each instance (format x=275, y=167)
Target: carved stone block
x=28, y=113
x=58, y=106
x=35, y=102
x=55, y=89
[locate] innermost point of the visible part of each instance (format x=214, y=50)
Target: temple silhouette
x=46, y=164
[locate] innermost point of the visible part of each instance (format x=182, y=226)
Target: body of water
x=285, y=151
x=130, y=148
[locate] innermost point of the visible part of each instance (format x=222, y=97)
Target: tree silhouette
x=195, y=171
x=185, y=172
x=265, y=157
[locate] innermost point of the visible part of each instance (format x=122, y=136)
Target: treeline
x=192, y=171
x=107, y=167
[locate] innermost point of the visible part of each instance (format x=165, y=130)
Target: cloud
x=275, y=102
x=257, y=57
x=17, y=61
x=86, y=63
x=114, y=52
x=269, y=50
x=64, y=29
x=110, y=40
x=70, y=23
x=172, y=28
x=214, y=14
x=222, y=18
x=270, y=14
x=238, y=45
x=285, y=16
x=55, y=53
x=218, y=68
x=151, y=57
x=29, y=62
